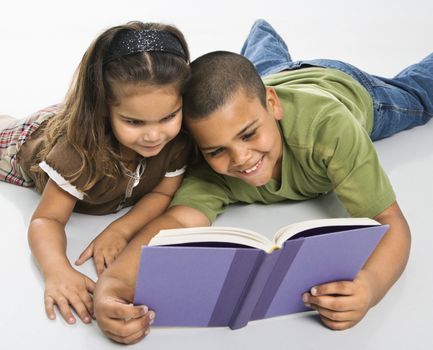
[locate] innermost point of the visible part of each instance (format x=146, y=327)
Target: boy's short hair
x=216, y=77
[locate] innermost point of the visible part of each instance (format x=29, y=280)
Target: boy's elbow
x=399, y=227
x=184, y=216
x=393, y=216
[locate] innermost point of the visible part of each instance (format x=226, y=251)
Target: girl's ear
x=273, y=103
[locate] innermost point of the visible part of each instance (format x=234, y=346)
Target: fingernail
x=151, y=322
x=86, y=319
x=145, y=309
x=152, y=315
x=313, y=291
x=147, y=332
x=71, y=320
x=307, y=305
x=304, y=298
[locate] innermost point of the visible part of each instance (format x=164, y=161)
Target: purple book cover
x=320, y=259
x=194, y=286
x=228, y=286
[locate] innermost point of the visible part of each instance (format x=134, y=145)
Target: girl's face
x=145, y=118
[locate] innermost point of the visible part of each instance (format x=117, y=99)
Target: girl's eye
x=246, y=137
x=216, y=152
x=133, y=122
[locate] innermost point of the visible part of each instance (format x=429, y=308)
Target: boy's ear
x=273, y=103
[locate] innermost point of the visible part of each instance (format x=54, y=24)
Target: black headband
x=147, y=40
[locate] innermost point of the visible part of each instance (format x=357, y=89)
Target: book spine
x=271, y=286
x=243, y=266
x=242, y=313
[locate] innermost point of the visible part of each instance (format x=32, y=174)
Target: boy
x=306, y=133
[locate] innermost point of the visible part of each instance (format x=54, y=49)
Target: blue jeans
x=399, y=103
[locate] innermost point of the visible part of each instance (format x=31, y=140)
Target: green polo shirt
x=328, y=117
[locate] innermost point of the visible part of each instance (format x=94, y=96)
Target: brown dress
x=108, y=195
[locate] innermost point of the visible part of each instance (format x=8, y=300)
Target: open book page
x=250, y=238
x=220, y=234
x=289, y=231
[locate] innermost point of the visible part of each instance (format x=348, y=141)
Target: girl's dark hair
x=84, y=119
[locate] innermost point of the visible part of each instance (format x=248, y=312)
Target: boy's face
x=241, y=139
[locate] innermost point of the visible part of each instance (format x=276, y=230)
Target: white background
x=42, y=42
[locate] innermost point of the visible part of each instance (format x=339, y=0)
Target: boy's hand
x=104, y=248
x=118, y=318
x=69, y=290
x=342, y=304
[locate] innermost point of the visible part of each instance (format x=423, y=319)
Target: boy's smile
x=241, y=139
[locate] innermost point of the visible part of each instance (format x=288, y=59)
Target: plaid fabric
x=11, y=140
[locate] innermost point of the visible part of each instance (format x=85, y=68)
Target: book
x=225, y=276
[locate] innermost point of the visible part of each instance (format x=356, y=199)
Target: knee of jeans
x=260, y=23
x=263, y=30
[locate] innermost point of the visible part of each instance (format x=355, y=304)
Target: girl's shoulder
x=64, y=164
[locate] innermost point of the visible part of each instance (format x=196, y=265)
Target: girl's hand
x=110, y=243
x=69, y=290
x=342, y=304
x=104, y=248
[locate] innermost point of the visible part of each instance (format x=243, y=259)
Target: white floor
x=42, y=42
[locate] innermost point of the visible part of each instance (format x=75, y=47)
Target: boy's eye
x=168, y=118
x=246, y=137
x=215, y=152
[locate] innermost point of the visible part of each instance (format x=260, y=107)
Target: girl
x=115, y=142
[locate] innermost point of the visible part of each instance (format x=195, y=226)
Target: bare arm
x=46, y=233
x=343, y=304
x=110, y=242
x=115, y=288
x=147, y=208
x=389, y=259
x=64, y=286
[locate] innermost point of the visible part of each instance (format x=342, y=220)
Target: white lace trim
x=61, y=181
x=177, y=172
